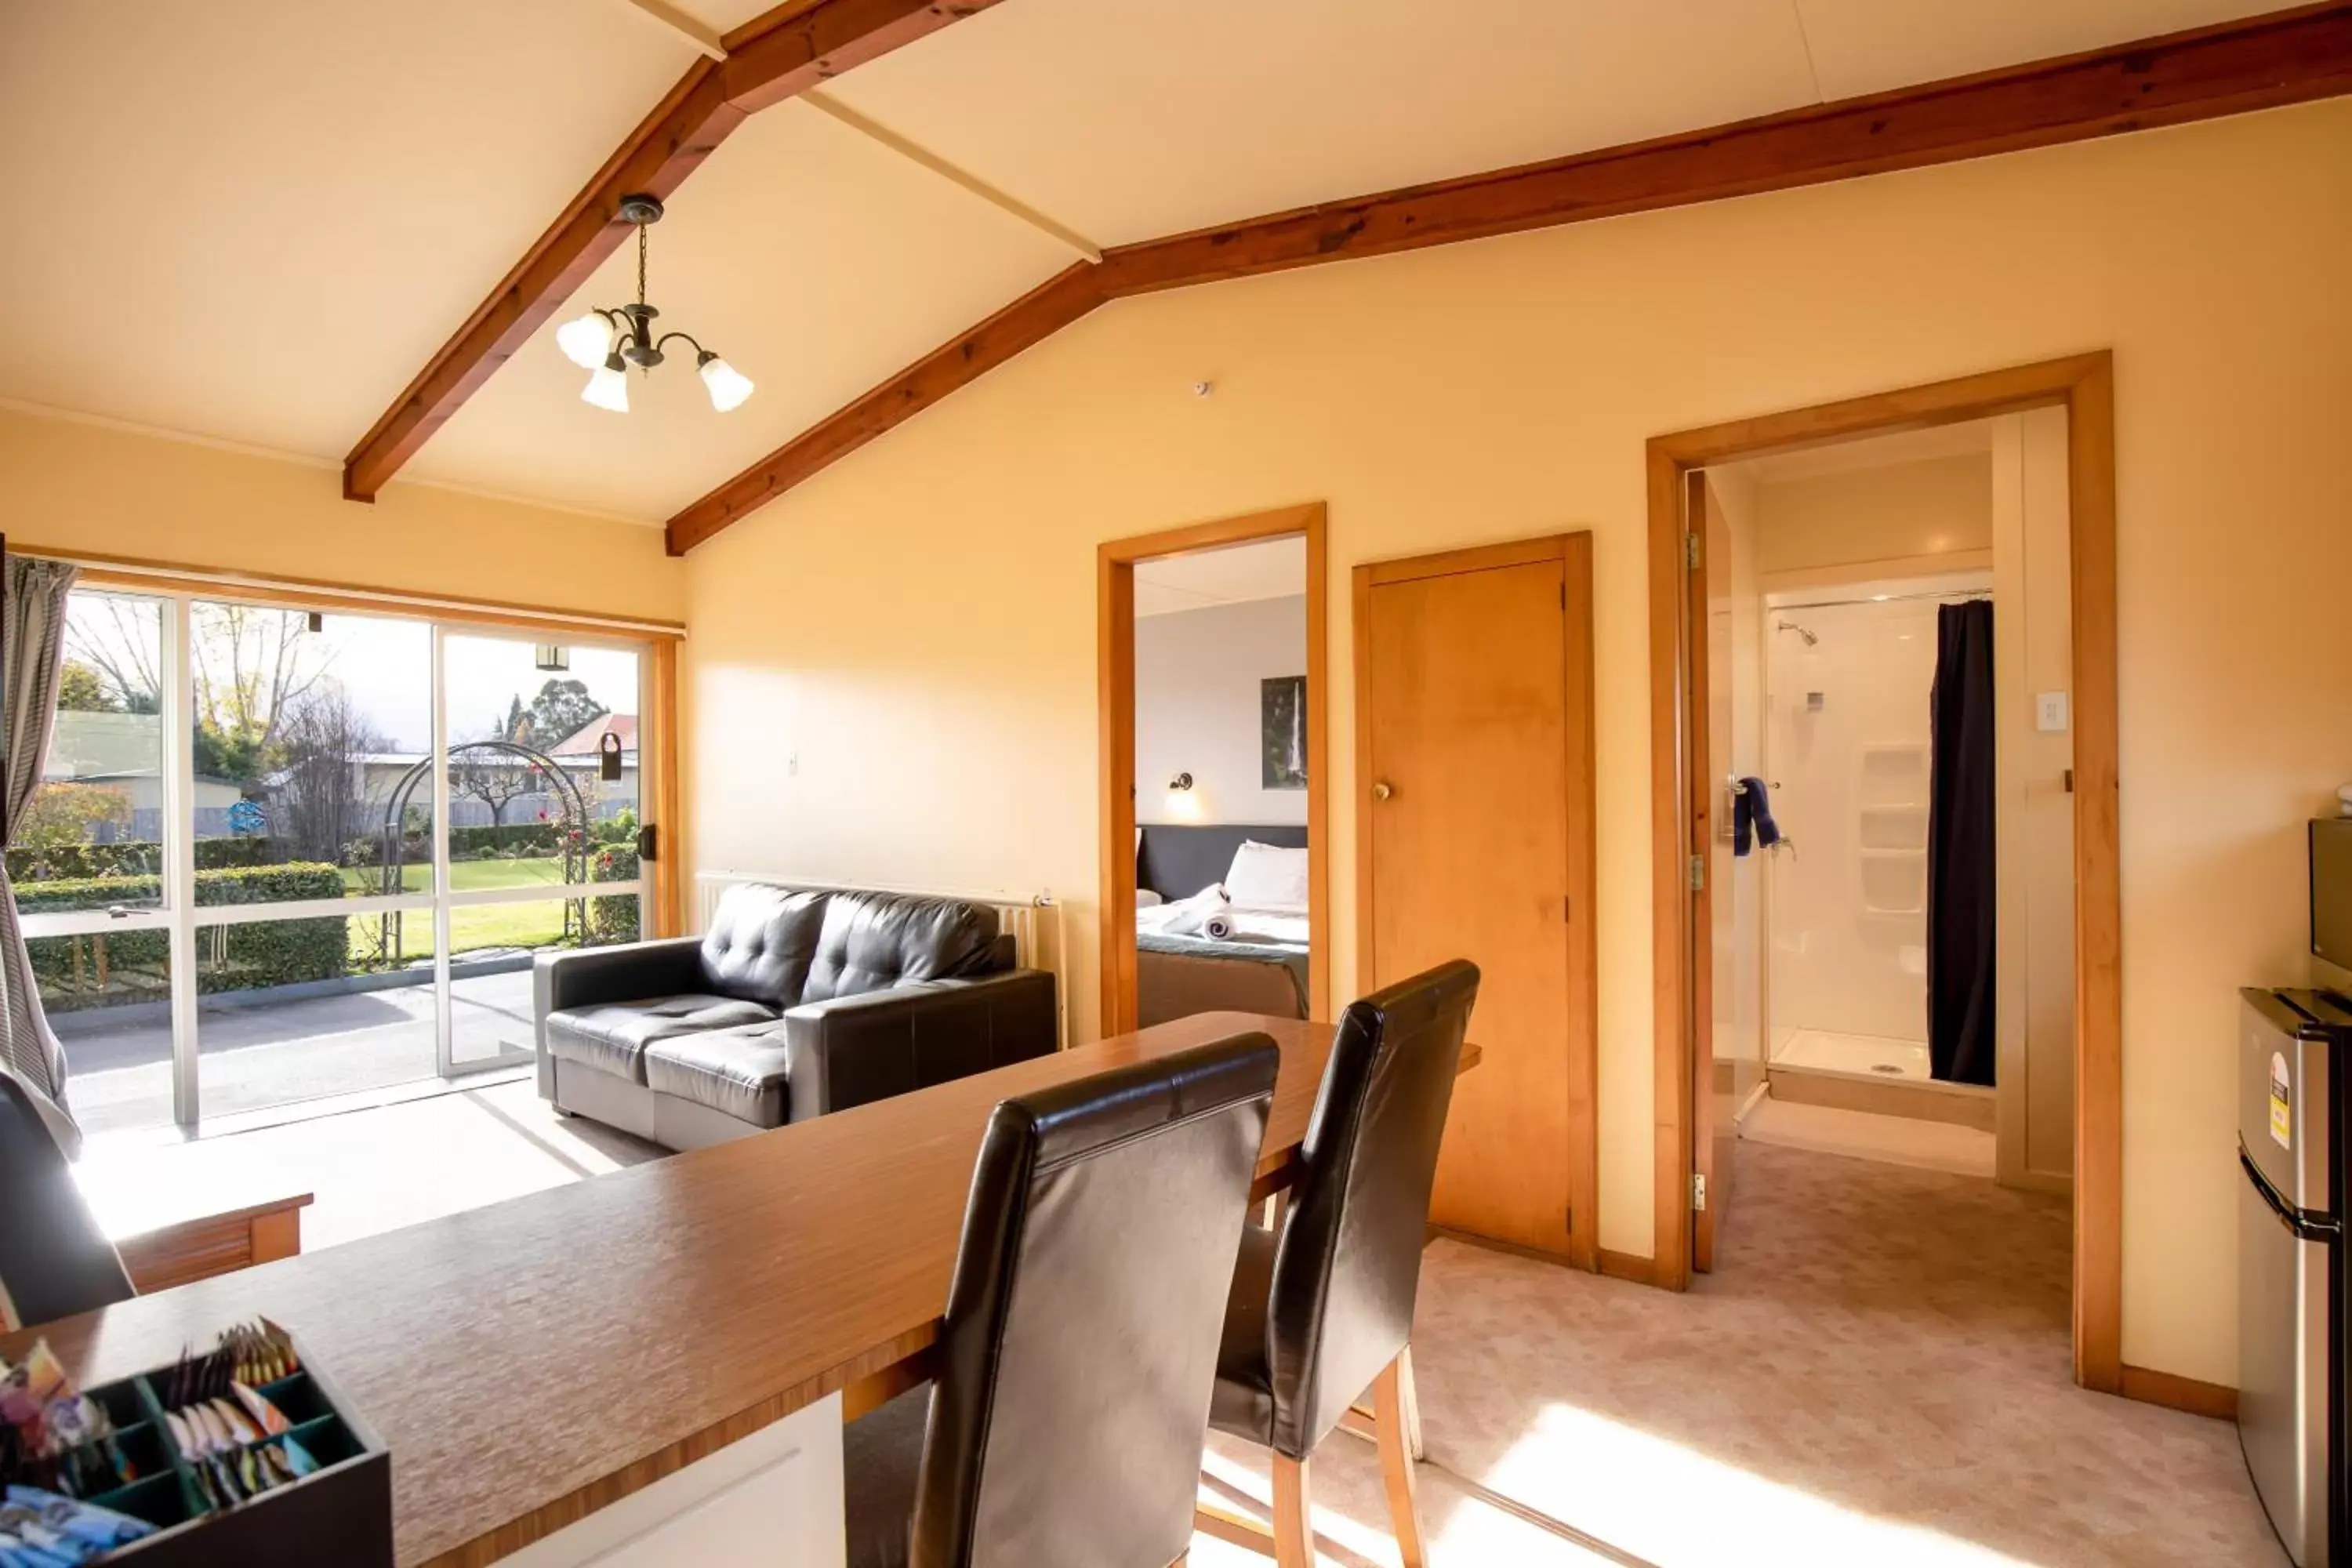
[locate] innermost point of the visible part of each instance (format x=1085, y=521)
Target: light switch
x=2049, y=712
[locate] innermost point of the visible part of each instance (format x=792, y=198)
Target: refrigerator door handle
x=2304, y=1224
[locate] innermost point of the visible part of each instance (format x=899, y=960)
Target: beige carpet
x=1876, y=1376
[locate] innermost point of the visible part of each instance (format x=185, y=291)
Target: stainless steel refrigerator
x=2293, y=1072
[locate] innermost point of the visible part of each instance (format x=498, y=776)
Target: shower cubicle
x=1846, y=746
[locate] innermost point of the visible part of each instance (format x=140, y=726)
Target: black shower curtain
x=1960, y=848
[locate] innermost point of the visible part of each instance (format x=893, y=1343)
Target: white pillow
x=1263, y=876
x=1144, y=897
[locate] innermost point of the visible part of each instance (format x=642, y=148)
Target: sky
x=386, y=665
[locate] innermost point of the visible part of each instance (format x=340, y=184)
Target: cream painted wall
x=1901, y=511
x=917, y=624
x=66, y=484
x=1197, y=709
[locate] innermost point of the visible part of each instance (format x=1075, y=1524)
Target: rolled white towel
x=1218, y=926
x=1187, y=917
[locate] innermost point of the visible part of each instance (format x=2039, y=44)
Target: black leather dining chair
x=55, y=1261
x=1322, y=1310
x=1064, y=1426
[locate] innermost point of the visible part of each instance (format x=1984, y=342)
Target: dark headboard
x=1179, y=861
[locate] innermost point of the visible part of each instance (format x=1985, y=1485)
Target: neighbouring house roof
x=103, y=745
x=132, y=774
x=585, y=740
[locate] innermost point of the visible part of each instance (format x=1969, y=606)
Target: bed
x=1262, y=970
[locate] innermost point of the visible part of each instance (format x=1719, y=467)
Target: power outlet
x=2049, y=712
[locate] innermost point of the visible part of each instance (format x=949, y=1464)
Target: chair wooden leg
x=1394, y=1437
x=1222, y=1524
x=1294, y=1543
x=1410, y=1400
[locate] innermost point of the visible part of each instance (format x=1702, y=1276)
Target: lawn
x=532, y=924
x=465, y=876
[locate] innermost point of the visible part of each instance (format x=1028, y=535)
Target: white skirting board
x=773, y=1498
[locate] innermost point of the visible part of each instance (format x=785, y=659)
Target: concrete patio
x=257, y=1053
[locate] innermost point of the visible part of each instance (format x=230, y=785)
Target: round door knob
x=1381, y=791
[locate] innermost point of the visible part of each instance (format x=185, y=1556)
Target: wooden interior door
x=1474, y=765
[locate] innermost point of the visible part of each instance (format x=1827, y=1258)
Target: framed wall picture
x=1282, y=732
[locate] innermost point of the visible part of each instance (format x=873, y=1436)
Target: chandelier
x=606, y=342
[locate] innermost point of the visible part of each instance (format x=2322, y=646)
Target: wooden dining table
x=533, y=1360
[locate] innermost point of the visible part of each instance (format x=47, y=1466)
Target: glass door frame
x=448, y=900
x=177, y=893
x=177, y=912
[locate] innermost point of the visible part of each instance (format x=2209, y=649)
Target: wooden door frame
x=1700, y=805
x=2083, y=385
x=1574, y=552
x=1115, y=562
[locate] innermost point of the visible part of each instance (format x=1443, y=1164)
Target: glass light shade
x=728, y=387
x=609, y=387
x=585, y=339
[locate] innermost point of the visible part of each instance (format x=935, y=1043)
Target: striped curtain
x=32, y=667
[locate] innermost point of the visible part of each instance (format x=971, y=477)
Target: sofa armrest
x=857, y=1049
x=594, y=975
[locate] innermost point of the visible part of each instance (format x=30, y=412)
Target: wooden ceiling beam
x=777, y=55
x=2290, y=57
x=1035, y=316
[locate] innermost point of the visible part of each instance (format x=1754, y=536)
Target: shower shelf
x=1892, y=829
x=1894, y=883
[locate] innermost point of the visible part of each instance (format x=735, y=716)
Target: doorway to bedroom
x=1213, y=853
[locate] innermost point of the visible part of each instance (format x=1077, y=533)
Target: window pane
x=108, y=996
x=306, y=1009
x=528, y=728
x=313, y=740
x=92, y=836
x=492, y=947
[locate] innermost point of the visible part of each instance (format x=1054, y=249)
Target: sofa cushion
x=875, y=941
x=613, y=1037
x=739, y=1071
x=760, y=942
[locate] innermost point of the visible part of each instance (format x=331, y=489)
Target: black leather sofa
x=796, y=1001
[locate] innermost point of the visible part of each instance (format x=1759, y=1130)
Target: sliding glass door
x=284, y=856
x=93, y=884
x=541, y=770
x=311, y=981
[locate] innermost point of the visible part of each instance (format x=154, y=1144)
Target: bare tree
x=120, y=640
x=321, y=793
x=496, y=778
x=252, y=666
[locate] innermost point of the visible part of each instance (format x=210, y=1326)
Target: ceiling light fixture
x=606, y=342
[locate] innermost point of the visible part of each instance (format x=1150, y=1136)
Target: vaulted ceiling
x=255, y=220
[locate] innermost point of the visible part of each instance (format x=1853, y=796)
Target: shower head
x=1792, y=627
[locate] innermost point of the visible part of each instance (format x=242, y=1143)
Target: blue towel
x=1751, y=818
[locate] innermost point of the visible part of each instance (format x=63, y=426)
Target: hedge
x=130, y=858
x=540, y=835
x=613, y=919
x=534, y=835
x=145, y=858
x=234, y=958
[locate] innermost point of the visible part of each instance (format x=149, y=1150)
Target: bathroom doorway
x=1885, y=705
